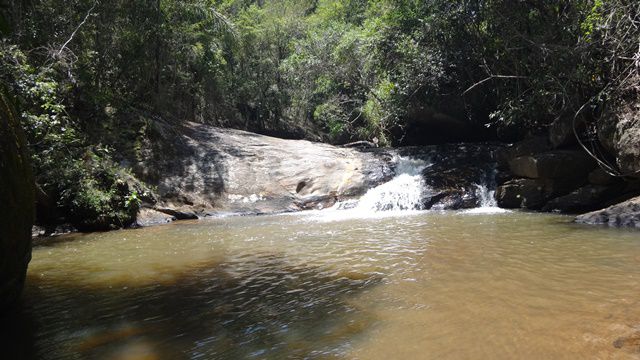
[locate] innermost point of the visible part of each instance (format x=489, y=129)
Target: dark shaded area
x=261, y=307
x=426, y=125
x=17, y=199
x=181, y=152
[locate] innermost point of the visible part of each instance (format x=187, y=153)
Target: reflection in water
x=261, y=308
x=427, y=285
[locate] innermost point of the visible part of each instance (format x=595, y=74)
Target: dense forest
x=98, y=82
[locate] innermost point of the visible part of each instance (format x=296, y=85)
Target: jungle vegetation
x=93, y=79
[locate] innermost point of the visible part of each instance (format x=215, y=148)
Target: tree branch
x=491, y=78
x=73, y=34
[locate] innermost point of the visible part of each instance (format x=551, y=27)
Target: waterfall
x=404, y=192
x=488, y=203
x=407, y=191
x=487, y=197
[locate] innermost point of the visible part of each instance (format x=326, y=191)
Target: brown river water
x=421, y=285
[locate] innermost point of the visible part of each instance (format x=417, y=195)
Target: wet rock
x=553, y=164
x=530, y=146
x=625, y=214
x=149, y=217
x=317, y=202
x=17, y=210
x=37, y=230
x=583, y=199
x=601, y=177
x=178, y=214
x=502, y=177
x=209, y=170
x=453, y=200
x=52, y=230
x=521, y=193
x=454, y=172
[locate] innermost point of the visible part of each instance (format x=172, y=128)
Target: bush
x=85, y=186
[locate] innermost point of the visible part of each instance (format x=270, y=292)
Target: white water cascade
x=404, y=192
x=488, y=203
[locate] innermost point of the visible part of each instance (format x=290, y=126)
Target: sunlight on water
x=431, y=285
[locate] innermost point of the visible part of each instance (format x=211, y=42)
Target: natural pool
x=416, y=285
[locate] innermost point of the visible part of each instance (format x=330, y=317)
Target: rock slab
x=625, y=214
x=209, y=170
x=553, y=164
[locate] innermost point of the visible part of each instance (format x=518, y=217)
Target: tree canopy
x=93, y=77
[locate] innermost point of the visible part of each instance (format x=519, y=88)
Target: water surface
x=424, y=285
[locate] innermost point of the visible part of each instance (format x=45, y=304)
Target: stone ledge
x=625, y=214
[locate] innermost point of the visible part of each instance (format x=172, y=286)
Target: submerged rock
x=625, y=214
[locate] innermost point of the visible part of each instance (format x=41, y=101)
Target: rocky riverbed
x=212, y=171
x=205, y=171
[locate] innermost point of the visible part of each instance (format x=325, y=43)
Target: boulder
x=625, y=214
x=554, y=187
x=201, y=170
x=530, y=146
x=561, y=132
x=601, y=177
x=553, y=164
x=452, y=200
x=619, y=129
x=583, y=199
x=627, y=145
x=178, y=214
x=149, y=217
x=317, y=202
x=521, y=193
x=18, y=201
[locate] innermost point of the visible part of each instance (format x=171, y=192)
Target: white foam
x=488, y=203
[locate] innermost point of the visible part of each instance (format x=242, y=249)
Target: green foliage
x=96, y=195
x=320, y=65
x=593, y=19
x=92, y=75
x=86, y=185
